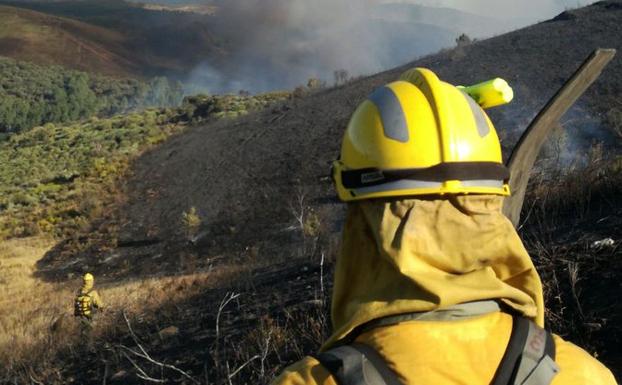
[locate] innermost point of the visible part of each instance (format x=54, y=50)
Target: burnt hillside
x=252, y=179
x=243, y=175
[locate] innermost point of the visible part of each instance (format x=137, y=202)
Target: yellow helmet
x=88, y=277
x=419, y=136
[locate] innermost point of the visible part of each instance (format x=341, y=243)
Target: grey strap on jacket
x=529, y=359
x=357, y=364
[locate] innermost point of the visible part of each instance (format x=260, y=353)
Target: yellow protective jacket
x=426, y=255
x=87, y=289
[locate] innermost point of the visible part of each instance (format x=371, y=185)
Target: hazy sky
x=506, y=9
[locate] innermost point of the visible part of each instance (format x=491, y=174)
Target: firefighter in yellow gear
x=87, y=300
x=433, y=284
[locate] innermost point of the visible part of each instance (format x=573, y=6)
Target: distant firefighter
x=87, y=299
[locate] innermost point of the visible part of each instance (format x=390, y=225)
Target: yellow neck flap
x=421, y=255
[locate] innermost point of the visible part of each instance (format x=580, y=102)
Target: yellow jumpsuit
x=87, y=288
x=425, y=255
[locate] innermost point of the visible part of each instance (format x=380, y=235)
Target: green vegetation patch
x=49, y=174
x=32, y=95
x=56, y=179
x=219, y=106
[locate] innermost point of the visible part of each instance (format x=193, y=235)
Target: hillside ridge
x=108, y=37
x=45, y=39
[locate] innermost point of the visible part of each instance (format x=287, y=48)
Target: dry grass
x=566, y=213
x=27, y=307
x=36, y=317
x=255, y=340
x=573, y=191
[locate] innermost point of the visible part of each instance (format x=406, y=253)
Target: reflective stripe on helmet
x=422, y=130
x=391, y=113
x=478, y=114
x=482, y=182
x=460, y=171
x=397, y=185
x=419, y=184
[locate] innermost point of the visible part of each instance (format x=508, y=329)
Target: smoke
x=569, y=145
x=279, y=44
x=282, y=43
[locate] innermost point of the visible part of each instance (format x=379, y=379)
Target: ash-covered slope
x=250, y=180
x=245, y=177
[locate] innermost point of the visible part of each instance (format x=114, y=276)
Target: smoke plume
x=274, y=44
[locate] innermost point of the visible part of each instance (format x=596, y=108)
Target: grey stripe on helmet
x=391, y=113
x=482, y=183
x=403, y=184
x=478, y=114
x=406, y=184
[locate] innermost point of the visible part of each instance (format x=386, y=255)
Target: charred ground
x=246, y=177
x=261, y=188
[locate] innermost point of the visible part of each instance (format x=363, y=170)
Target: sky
x=507, y=9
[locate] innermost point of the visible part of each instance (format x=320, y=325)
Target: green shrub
x=56, y=178
x=32, y=95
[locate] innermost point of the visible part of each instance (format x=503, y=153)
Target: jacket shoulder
x=578, y=367
x=96, y=298
x=307, y=371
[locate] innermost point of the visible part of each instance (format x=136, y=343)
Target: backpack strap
x=357, y=364
x=529, y=358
